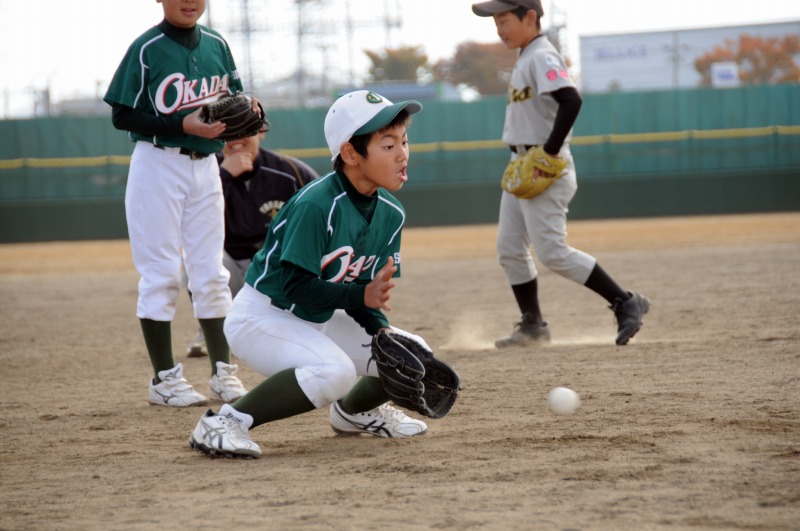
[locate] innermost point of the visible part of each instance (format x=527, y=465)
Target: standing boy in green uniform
x=314, y=293
x=173, y=198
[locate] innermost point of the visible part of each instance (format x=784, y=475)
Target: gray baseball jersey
x=530, y=110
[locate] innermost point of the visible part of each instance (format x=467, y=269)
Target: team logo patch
x=373, y=98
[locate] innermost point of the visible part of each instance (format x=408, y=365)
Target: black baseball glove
x=412, y=377
x=236, y=112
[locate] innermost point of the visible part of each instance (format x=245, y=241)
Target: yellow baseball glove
x=520, y=177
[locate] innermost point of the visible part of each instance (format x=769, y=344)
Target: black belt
x=519, y=149
x=194, y=155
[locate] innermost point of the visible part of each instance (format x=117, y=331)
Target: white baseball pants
x=327, y=357
x=174, y=202
x=541, y=222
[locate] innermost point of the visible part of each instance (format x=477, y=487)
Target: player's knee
x=555, y=257
x=334, y=380
x=511, y=250
x=518, y=269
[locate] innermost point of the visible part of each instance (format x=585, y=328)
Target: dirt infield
x=695, y=424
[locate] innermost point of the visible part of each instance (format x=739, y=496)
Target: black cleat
x=629, y=316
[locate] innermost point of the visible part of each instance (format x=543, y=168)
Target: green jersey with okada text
x=163, y=78
x=320, y=230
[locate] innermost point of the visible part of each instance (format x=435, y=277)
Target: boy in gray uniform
x=542, y=106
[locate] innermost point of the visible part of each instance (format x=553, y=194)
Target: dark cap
x=487, y=9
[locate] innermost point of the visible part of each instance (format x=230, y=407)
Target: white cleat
x=383, y=421
x=174, y=390
x=223, y=435
x=225, y=385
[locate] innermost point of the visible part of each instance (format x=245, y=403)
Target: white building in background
x=659, y=60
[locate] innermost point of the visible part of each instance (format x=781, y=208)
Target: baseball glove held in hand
x=520, y=179
x=412, y=377
x=236, y=112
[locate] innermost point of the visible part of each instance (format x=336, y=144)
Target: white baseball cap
x=358, y=113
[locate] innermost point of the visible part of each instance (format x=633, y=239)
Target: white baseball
x=563, y=401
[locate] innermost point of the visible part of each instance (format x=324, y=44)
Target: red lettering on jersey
x=174, y=80
x=343, y=255
x=189, y=96
x=203, y=89
x=185, y=97
x=552, y=75
x=348, y=269
x=355, y=269
x=223, y=85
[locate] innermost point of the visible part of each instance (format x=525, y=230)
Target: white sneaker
x=197, y=348
x=174, y=390
x=383, y=421
x=223, y=435
x=225, y=385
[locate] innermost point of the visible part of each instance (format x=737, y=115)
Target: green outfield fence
x=665, y=153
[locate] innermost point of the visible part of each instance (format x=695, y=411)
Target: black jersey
x=253, y=198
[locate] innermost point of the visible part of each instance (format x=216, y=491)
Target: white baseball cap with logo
x=358, y=113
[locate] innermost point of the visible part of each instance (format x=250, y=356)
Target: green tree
x=408, y=63
x=761, y=60
x=486, y=67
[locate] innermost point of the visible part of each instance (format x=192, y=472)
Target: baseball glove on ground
x=520, y=179
x=412, y=377
x=236, y=111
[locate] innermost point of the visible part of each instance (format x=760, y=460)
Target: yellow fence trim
x=430, y=147
x=72, y=162
x=306, y=153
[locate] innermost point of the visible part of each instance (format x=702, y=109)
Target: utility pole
x=348, y=26
x=555, y=29
x=301, y=74
x=247, y=29
x=676, y=51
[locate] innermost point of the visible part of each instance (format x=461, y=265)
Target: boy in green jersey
x=173, y=198
x=315, y=292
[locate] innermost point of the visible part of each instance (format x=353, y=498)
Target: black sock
x=527, y=296
x=158, y=339
x=601, y=283
x=365, y=395
x=217, y=344
x=277, y=397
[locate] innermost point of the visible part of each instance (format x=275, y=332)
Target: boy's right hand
x=237, y=163
x=193, y=125
x=377, y=293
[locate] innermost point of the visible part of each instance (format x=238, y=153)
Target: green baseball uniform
x=322, y=231
x=173, y=199
x=161, y=77
x=174, y=206
x=306, y=316
x=323, y=248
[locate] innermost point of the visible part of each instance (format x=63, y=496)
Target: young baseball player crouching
x=314, y=293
